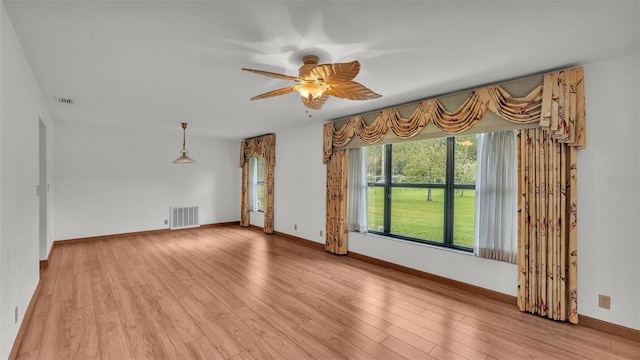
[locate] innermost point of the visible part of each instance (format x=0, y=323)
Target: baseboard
x=608, y=327
x=25, y=322
x=145, y=232
x=44, y=264
x=299, y=240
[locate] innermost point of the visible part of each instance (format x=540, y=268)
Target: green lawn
x=413, y=215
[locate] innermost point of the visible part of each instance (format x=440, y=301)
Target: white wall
x=608, y=203
x=300, y=181
x=609, y=193
x=22, y=106
x=112, y=180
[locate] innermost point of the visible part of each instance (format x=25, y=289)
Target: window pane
x=260, y=196
x=466, y=155
x=258, y=163
x=260, y=168
x=375, y=208
x=375, y=164
x=417, y=212
x=463, y=218
x=420, y=162
x=464, y=199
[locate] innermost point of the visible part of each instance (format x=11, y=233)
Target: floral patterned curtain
x=337, y=170
x=547, y=255
x=264, y=146
x=547, y=221
x=548, y=208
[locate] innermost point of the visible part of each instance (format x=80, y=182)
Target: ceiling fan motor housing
x=310, y=62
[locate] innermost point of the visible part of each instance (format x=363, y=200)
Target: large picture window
x=424, y=190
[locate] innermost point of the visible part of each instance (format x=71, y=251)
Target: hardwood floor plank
x=29, y=355
x=84, y=333
x=203, y=349
x=124, y=262
x=441, y=353
x=62, y=289
x=405, y=349
x=56, y=335
x=371, y=347
x=126, y=304
x=282, y=344
x=226, y=345
x=346, y=348
x=232, y=293
x=111, y=340
x=31, y=341
x=255, y=345
x=181, y=320
x=166, y=336
x=626, y=346
x=245, y=355
x=142, y=340
x=101, y=292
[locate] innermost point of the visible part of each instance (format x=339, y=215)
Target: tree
x=425, y=161
x=375, y=154
x=465, y=160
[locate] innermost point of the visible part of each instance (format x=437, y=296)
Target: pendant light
x=184, y=159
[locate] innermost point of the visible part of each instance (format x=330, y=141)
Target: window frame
x=449, y=197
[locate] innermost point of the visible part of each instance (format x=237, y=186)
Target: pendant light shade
x=184, y=158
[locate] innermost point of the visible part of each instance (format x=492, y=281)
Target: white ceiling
x=158, y=63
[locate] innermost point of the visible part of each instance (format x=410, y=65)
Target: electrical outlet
x=16, y=315
x=320, y=232
x=166, y=222
x=604, y=301
x=295, y=226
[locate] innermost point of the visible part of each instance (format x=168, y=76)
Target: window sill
x=416, y=243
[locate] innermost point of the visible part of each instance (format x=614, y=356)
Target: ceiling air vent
x=64, y=100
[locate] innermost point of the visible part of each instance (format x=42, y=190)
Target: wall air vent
x=64, y=100
x=184, y=217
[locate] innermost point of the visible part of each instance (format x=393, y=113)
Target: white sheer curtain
x=253, y=184
x=357, y=190
x=496, y=221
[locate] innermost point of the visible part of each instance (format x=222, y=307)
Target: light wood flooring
x=234, y=293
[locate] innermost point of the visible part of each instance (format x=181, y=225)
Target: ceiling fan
x=317, y=82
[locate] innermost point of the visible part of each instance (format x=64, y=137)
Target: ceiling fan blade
x=337, y=73
x=352, y=91
x=274, y=75
x=315, y=103
x=275, y=93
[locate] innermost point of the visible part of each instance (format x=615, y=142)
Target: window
x=424, y=190
x=256, y=191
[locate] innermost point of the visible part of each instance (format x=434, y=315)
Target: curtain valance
x=556, y=105
x=257, y=146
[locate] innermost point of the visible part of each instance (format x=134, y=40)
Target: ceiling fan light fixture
x=310, y=90
x=184, y=158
